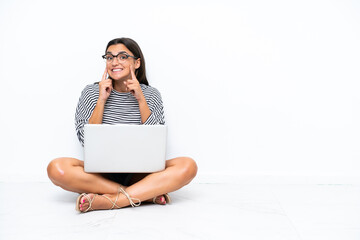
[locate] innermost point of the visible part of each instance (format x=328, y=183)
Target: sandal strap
x=167, y=198
x=126, y=195
x=113, y=202
x=130, y=198
x=90, y=201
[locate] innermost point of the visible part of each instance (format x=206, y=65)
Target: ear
x=137, y=63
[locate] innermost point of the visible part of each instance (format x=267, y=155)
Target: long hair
x=140, y=73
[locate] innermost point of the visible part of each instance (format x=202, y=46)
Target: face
x=121, y=70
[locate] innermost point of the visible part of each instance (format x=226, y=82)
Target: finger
x=131, y=88
x=108, y=89
x=108, y=80
x=133, y=73
x=105, y=82
x=105, y=74
x=107, y=85
x=134, y=83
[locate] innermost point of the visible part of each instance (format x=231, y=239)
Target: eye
x=123, y=57
x=109, y=58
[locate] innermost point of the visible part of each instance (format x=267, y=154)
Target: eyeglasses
x=121, y=57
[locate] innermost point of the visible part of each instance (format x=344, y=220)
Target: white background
x=251, y=88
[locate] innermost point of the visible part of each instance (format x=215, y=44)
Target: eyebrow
x=117, y=53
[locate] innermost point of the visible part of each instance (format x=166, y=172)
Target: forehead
x=116, y=48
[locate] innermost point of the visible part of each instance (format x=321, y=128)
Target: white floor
x=199, y=211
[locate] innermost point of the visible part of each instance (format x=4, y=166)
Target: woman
x=123, y=97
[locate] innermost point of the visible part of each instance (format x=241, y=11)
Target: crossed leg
x=69, y=174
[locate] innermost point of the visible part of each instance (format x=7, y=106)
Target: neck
x=119, y=86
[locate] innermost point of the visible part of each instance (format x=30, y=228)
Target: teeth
x=116, y=70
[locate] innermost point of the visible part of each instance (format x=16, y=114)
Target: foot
x=93, y=201
x=158, y=200
x=99, y=202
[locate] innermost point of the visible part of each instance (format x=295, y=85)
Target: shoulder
x=91, y=89
x=149, y=90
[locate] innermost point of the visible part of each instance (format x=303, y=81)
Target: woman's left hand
x=133, y=85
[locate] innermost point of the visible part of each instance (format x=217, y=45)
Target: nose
x=115, y=63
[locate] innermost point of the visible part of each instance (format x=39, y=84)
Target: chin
x=116, y=78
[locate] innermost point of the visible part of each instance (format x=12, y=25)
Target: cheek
x=127, y=68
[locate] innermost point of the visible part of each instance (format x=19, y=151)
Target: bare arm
x=144, y=109
x=97, y=115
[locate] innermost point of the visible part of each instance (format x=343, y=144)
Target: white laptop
x=124, y=148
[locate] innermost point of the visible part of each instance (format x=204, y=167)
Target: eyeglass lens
x=121, y=58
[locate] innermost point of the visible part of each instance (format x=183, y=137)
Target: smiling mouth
x=116, y=70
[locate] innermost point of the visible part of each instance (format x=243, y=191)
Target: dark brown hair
x=140, y=73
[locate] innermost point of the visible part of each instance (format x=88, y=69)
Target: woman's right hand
x=105, y=87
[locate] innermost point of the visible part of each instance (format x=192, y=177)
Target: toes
x=160, y=200
x=84, y=204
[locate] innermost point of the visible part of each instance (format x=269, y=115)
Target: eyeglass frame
x=116, y=56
